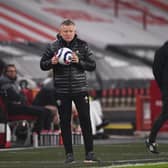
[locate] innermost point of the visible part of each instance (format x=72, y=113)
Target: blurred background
x=123, y=34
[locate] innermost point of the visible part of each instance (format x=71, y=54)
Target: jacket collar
x=62, y=41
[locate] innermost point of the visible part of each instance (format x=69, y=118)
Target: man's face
x=11, y=73
x=67, y=32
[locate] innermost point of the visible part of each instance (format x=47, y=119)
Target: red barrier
x=156, y=103
x=148, y=109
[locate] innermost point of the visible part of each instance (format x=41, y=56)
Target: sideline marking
x=138, y=164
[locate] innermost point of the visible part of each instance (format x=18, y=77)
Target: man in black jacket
x=16, y=102
x=160, y=71
x=71, y=85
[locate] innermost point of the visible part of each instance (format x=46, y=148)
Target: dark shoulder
x=4, y=80
x=53, y=45
x=83, y=44
x=163, y=49
x=162, y=52
x=5, y=83
x=164, y=45
x=55, y=42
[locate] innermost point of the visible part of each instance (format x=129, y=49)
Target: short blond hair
x=68, y=22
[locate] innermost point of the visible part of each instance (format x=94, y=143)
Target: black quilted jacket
x=160, y=67
x=69, y=79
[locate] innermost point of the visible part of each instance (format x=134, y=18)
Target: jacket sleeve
x=87, y=63
x=11, y=95
x=45, y=62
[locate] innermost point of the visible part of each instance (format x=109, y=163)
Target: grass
x=111, y=155
x=154, y=165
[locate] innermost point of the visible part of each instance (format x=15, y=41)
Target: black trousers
x=65, y=110
x=44, y=116
x=163, y=117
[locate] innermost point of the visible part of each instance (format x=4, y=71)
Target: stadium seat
x=110, y=100
x=104, y=98
x=14, y=121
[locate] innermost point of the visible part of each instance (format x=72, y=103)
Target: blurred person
x=71, y=85
x=16, y=102
x=46, y=98
x=2, y=114
x=26, y=82
x=97, y=119
x=160, y=70
x=48, y=81
x=2, y=66
x=75, y=123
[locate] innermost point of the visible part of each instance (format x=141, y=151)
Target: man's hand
x=54, y=60
x=75, y=58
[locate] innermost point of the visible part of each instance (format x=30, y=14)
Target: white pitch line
x=138, y=164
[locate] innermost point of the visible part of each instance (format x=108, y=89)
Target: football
x=64, y=56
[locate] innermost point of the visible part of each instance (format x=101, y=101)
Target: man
x=160, y=70
x=16, y=101
x=71, y=85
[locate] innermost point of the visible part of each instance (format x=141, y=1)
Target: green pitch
x=111, y=155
